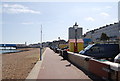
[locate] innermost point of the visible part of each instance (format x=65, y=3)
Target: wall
x=104, y=69
x=78, y=60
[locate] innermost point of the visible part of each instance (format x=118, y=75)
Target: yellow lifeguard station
x=76, y=45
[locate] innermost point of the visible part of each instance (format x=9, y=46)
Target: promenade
x=53, y=67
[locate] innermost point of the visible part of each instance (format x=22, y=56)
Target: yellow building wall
x=71, y=47
x=80, y=46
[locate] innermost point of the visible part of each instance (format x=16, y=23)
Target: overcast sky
x=21, y=21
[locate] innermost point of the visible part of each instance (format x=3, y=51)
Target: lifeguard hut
x=76, y=46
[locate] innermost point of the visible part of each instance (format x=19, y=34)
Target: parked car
x=117, y=58
x=65, y=48
x=101, y=50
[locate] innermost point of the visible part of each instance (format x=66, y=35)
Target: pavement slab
x=53, y=67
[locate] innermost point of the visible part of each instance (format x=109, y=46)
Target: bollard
x=55, y=50
x=65, y=55
x=60, y=53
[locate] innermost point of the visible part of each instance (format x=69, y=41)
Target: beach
x=18, y=65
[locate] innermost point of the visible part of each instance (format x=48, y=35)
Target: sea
x=8, y=50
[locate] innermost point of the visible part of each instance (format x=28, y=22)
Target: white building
x=112, y=31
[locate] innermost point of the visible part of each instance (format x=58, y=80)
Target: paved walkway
x=53, y=67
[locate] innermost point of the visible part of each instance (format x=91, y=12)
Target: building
x=72, y=32
x=112, y=31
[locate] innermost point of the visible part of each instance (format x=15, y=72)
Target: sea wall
x=104, y=69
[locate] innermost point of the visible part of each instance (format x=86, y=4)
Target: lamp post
x=75, y=27
x=58, y=41
x=41, y=45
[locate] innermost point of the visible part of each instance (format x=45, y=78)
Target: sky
x=21, y=21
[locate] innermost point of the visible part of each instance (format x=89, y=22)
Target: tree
x=104, y=37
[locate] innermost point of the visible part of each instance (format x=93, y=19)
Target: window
x=95, y=49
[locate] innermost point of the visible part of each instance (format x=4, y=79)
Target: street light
x=41, y=45
x=75, y=27
x=58, y=41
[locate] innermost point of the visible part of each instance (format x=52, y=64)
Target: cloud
x=104, y=14
x=16, y=8
x=97, y=9
x=108, y=7
x=101, y=8
x=89, y=19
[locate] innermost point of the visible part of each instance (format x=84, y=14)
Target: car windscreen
x=88, y=47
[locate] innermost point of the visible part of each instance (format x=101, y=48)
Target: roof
x=78, y=40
